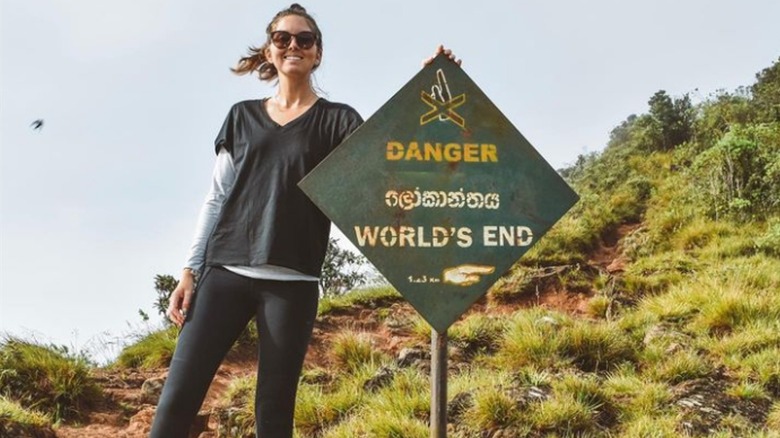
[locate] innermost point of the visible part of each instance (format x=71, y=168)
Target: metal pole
x=438, y=384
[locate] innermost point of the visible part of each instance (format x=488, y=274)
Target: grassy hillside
x=651, y=310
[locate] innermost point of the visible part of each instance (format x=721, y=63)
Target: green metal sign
x=440, y=192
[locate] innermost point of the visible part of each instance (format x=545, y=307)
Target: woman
x=260, y=243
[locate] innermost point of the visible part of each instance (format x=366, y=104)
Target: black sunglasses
x=282, y=39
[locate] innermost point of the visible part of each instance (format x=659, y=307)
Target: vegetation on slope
x=681, y=334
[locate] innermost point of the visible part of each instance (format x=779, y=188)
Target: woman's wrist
x=191, y=272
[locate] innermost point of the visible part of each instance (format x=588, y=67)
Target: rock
x=617, y=265
x=151, y=389
x=549, y=320
x=382, y=378
x=665, y=334
x=412, y=357
x=459, y=405
x=141, y=423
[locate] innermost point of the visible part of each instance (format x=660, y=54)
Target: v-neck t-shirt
x=266, y=218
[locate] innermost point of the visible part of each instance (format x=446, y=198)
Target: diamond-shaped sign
x=440, y=192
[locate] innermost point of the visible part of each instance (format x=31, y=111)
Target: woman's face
x=293, y=60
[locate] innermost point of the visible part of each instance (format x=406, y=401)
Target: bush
x=16, y=421
x=46, y=379
x=154, y=350
x=740, y=175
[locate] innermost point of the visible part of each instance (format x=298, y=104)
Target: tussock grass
x=154, y=350
x=399, y=409
x=351, y=350
x=46, y=379
x=531, y=339
x=699, y=233
x=636, y=396
x=748, y=391
x=382, y=425
x=769, y=241
x=651, y=426
x=656, y=273
x=764, y=368
x=477, y=334
x=773, y=419
x=377, y=296
x=236, y=411
x=566, y=415
x=490, y=405
x=598, y=306
x=492, y=409
x=555, y=341
x=317, y=407
x=677, y=367
x=420, y=330
x=15, y=420
x=596, y=347
x=751, y=338
x=408, y=395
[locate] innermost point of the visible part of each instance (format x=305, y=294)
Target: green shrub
x=740, y=175
x=373, y=297
x=769, y=242
x=153, y=350
x=46, y=379
x=16, y=421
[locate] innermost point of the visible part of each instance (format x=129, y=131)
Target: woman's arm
x=223, y=178
x=222, y=181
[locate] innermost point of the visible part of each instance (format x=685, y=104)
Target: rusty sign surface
x=440, y=192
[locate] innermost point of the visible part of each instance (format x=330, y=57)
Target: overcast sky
x=133, y=92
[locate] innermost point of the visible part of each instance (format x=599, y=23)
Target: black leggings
x=223, y=305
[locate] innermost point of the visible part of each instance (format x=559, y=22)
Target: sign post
x=442, y=194
x=438, y=384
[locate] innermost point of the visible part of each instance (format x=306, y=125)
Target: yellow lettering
x=452, y=152
x=489, y=153
x=395, y=150
x=471, y=152
x=432, y=153
x=413, y=152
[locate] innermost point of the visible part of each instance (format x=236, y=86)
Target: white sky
x=133, y=92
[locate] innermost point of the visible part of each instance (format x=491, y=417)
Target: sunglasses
x=282, y=39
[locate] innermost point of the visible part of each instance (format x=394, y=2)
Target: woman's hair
x=256, y=61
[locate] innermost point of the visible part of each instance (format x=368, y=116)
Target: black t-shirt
x=266, y=218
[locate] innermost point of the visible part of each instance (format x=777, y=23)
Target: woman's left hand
x=447, y=52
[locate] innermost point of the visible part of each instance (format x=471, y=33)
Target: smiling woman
x=260, y=242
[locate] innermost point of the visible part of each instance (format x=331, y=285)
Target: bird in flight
x=37, y=124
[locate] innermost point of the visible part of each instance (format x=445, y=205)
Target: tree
x=164, y=285
x=766, y=92
x=673, y=117
x=342, y=270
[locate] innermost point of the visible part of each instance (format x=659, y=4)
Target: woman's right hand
x=181, y=298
